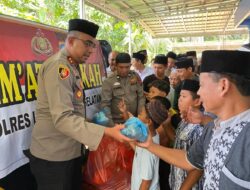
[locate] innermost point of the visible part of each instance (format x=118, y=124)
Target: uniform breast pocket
x=118, y=92
x=229, y=181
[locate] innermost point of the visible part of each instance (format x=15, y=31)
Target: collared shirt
x=224, y=152
x=145, y=72
x=186, y=135
x=224, y=135
x=60, y=126
x=109, y=72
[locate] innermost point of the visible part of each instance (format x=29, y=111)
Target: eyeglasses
x=87, y=43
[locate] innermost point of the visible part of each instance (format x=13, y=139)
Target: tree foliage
x=57, y=13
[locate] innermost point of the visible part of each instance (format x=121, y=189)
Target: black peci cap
x=144, y=52
x=171, y=54
x=226, y=61
x=83, y=26
x=190, y=85
x=139, y=56
x=160, y=59
x=191, y=53
x=123, y=58
x=184, y=63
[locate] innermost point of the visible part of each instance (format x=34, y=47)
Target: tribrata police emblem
x=79, y=94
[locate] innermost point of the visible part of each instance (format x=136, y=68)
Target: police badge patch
x=63, y=71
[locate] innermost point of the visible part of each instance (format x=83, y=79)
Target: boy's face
x=186, y=100
x=153, y=92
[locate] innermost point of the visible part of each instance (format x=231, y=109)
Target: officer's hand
x=115, y=132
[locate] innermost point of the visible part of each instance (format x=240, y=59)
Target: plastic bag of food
x=135, y=129
x=101, y=118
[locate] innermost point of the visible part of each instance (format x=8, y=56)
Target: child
x=145, y=164
x=186, y=135
x=158, y=88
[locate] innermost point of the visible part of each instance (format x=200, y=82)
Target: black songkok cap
x=171, y=55
x=123, y=58
x=139, y=56
x=184, y=63
x=83, y=26
x=190, y=85
x=226, y=61
x=191, y=53
x=181, y=56
x=144, y=52
x=160, y=59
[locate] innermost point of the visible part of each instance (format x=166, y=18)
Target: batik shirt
x=224, y=152
x=186, y=135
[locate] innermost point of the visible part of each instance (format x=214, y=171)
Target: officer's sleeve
x=106, y=97
x=60, y=96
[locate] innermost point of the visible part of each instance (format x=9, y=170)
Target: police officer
x=60, y=129
x=123, y=84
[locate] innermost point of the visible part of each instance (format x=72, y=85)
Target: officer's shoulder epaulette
x=133, y=73
x=136, y=76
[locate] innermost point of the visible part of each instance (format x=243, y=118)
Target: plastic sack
x=135, y=129
x=101, y=118
x=109, y=167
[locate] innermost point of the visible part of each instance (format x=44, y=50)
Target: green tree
x=57, y=13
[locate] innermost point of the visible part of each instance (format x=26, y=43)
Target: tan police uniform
x=60, y=127
x=115, y=88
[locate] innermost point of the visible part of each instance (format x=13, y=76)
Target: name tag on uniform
x=117, y=84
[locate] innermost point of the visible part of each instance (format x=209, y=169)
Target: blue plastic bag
x=101, y=118
x=135, y=129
